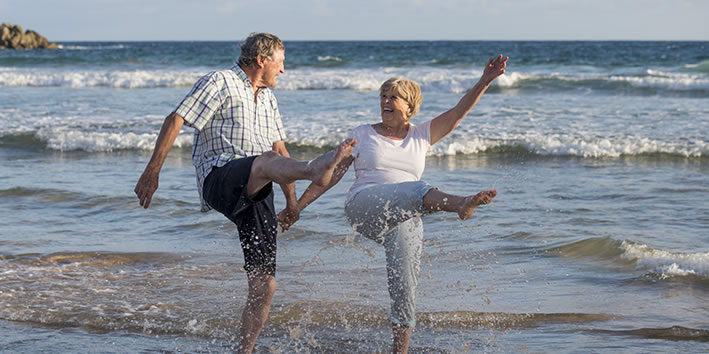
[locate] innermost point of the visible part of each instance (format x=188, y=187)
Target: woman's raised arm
x=446, y=122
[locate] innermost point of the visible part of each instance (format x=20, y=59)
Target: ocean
x=598, y=240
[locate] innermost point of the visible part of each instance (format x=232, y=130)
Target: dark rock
x=12, y=37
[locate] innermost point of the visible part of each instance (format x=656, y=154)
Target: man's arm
x=291, y=210
x=148, y=182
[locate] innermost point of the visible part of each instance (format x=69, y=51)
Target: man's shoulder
x=231, y=75
x=225, y=78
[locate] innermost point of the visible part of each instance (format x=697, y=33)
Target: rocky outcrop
x=12, y=37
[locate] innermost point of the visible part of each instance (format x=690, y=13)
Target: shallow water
x=596, y=242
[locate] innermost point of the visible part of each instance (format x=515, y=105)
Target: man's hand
x=288, y=216
x=146, y=186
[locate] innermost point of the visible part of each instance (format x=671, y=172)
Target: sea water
x=597, y=241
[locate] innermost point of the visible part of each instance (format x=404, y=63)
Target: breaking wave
x=77, y=139
x=330, y=77
x=74, y=139
x=654, y=262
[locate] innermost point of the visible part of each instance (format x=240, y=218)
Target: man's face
x=274, y=67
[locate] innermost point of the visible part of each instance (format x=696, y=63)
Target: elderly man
x=238, y=152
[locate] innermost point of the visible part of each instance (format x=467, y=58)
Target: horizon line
x=390, y=40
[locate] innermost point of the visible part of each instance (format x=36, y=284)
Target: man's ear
x=260, y=60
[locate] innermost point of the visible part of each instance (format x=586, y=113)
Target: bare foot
x=323, y=166
x=472, y=202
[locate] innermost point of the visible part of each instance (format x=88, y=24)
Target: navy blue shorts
x=255, y=218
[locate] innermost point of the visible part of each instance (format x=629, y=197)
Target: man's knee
x=259, y=168
x=262, y=285
x=265, y=159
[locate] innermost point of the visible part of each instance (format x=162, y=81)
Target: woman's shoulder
x=421, y=130
x=364, y=126
x=422, y=125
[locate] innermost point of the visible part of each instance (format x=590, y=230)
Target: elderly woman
x=387, y=199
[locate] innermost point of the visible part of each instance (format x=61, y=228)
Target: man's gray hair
x=256, y=44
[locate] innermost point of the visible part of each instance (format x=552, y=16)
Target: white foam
x=462, y=142
x=452, y=80
x=590, y=146
x=331, y=79
x=78, y=135
x=196, y=327
x=430, y=79
x=471, y=145
x=114, y=79
x=329, y=58
x=65, y=139
x=570, y=145
x=98, y=47
x=511, y=79
x=666, y=80
x=668, y=264
x=699, y=67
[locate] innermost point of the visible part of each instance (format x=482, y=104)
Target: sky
x=140, y=20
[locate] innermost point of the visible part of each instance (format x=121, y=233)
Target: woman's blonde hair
x=407, y=89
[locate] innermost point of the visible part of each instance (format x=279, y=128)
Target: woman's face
x=394, y=108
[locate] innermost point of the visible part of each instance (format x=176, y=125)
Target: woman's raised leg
x=435, y=200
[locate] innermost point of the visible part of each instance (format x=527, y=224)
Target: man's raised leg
x=258, y=304
x=272, y=167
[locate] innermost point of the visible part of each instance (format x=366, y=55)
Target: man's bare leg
x=402, y=336
x=272, y=167
x=436, y=200
x=258, y=304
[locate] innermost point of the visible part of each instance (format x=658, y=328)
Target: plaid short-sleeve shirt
x=228, y=123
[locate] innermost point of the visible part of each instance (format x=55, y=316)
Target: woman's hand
x=288, y=217
x=494, y=68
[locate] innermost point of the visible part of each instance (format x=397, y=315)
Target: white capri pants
x=390, y=214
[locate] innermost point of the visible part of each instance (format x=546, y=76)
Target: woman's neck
x=395, y=132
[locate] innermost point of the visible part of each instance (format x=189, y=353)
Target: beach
x=596, y=242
